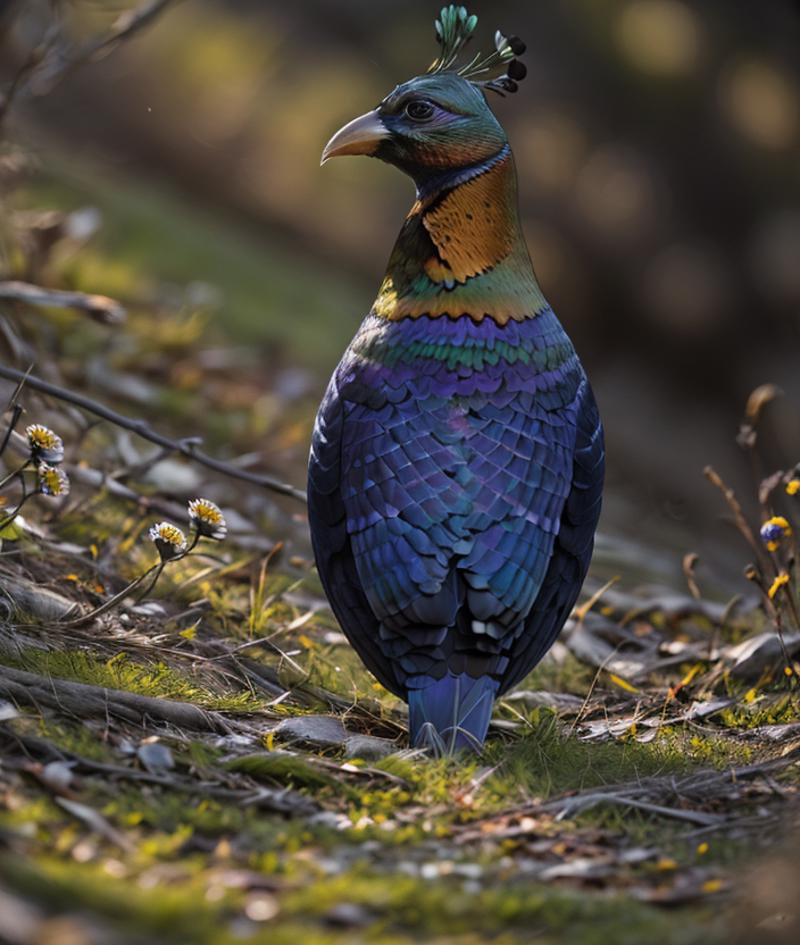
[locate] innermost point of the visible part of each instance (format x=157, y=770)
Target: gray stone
x=321, y=731
x=369, y=747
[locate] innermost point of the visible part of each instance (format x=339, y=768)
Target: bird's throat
x=461, y=251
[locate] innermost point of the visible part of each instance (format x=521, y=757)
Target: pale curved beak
x=360, y=136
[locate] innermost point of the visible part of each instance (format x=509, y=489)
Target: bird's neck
x=461, y=251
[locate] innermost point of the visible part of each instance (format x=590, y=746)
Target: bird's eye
x=419, y=110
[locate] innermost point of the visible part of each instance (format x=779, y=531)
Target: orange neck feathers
x=461, y=252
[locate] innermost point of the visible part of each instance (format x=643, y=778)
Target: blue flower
x=773, y=531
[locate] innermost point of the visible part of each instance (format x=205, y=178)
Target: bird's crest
x=454, y=29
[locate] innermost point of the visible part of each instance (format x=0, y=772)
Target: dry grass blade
x=690, y=561
x=733, y=504
x=95, y=822
x=585, y=802
x=187, y=446
x=280, y=800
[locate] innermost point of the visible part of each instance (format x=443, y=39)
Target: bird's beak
x=360, y=136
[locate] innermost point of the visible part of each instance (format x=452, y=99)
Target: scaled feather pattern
x=457, y=460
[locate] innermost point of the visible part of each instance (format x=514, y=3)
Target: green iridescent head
x=441, y=120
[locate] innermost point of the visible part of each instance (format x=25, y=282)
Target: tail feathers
x=451, y=713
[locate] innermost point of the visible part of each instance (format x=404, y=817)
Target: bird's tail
x=450, y=713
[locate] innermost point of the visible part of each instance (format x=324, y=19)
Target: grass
x=393, y=909
x=547, y=761
x=152, y=678
x=766, y=709
x=284, y=769
x=151, y=238
x=455, y=907
x=401, y=850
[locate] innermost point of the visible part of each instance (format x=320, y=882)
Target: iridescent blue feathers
x=456, y=464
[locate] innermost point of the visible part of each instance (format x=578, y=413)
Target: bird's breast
x=459, y=359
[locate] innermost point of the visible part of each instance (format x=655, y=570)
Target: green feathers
x=454, y=29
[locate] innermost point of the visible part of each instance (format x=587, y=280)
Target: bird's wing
x=332, y=547
x=572, y=549
x=453, y=505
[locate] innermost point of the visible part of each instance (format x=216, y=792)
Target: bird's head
x=441, y=120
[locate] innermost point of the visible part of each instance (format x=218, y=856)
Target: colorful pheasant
x=457, y=460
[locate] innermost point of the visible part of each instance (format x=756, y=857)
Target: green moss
x=765, y=709
x=285, y=769
x=449, y=907
x=547, y=761
x=74, y=737
x=155, y=678
x=165, y=820
x=176, y=913
x=32, y=815
x=151, y=235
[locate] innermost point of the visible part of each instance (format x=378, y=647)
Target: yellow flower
x=793, y=487
x=168, y=539
x=45, y=446
x=206, y=517
x=778, y=583
x=52, y=480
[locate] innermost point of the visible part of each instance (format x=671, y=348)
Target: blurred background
x=658, y=150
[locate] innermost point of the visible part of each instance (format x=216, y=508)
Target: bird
x=457, y=459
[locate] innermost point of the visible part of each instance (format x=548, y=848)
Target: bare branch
x=88, y=701
x=281, y=800
x=33, y=62
x=186, y=446
x=48, y=64
x=99, y=307
x=126, y=24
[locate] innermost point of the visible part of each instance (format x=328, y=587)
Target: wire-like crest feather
x=454, y=29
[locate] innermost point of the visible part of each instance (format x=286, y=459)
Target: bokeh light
x=660, y=37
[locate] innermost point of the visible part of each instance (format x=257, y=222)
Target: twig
x=282, y=800
x=33, y=62
x=47, y=63
x=14, y=473
x=126, y=24
x=186, y=446
x=97, y=701
x=595, y=680
x=689, y=564
x=647, y=794
x=9, y=518
x=16, y=413
x=99, y=307
x=116, y=599
x=98, y=480
x=733, y=504
x=587, y=801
